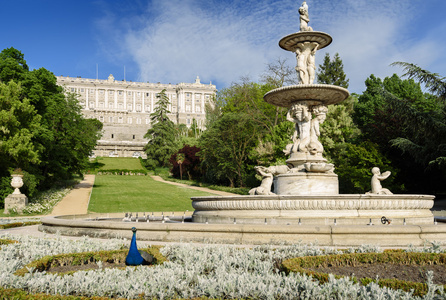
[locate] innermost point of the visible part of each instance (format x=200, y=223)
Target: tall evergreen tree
x=162, y=135
x=332, y=72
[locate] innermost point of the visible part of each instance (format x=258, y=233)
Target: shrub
x=190, y=165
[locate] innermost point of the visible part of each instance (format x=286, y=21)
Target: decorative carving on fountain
x=377, y=177
x=304, y=17
x=306, y=66
x=267, y=174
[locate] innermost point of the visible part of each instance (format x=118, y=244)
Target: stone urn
x=17, y=183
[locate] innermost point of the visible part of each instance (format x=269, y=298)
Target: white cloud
x=174, y=41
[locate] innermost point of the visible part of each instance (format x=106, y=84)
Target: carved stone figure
x=305, y=55
x=267, y=182
x=304, y=17
x=301, y=68
x=300, y=114
x=320, y=112
x=377, y=189
x=311, y=64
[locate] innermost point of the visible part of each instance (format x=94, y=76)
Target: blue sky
x=173, y=41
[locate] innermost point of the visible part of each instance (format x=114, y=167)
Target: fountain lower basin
x=344, y=209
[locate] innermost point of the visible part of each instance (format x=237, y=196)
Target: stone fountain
x=306, y=190
x=305, y=204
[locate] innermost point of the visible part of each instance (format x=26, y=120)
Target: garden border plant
x=302, y=265
x=83, y=258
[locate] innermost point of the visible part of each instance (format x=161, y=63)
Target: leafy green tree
x=409, y=127
x=162, y=135
x=225, y=148
x=331, y=71
x=19, y=126
x=52, y=138
x=247, y=97
x=435, y=83
x=12, y=65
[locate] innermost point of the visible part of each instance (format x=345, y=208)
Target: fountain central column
x=309, y=173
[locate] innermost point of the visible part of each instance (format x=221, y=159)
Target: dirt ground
x=414, y=273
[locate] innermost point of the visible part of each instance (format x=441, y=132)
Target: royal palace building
x=124, y=108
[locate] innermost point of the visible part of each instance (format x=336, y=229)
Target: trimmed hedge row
x=122, y=172
x=18, y=224
x=301, y=265
x=76, y=259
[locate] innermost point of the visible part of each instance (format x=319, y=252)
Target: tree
x=19, y=128
x=12, y=65
x=247, y=97
x=279, y=73
x=332, y=72
x=433, y=81
x=190, y=162
x=162, y=135
x=409, y=128
x=46, y=135
x=226, y=147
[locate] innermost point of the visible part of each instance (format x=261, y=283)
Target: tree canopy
x=42, y=130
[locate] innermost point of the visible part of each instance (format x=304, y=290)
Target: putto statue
x=377, y=189
x=304, y=17
x=267, y=178
x=300, y=114
x=320, y=112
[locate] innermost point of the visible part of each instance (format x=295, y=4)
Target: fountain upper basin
x=318, y=93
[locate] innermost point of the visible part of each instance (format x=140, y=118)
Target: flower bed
x=400, y=263
x=192, y=271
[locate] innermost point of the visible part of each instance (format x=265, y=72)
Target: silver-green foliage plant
x=214, y=271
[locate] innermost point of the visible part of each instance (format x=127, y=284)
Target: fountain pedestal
x=304, y=183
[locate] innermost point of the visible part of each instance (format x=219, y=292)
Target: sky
x=173, y=41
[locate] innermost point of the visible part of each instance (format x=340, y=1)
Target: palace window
x=129, y=120
x=110, y=92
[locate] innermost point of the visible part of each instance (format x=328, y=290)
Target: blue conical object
x=133, y=258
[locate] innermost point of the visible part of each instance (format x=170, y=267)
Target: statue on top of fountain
x=304, y=17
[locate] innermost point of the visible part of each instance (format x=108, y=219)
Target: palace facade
x=124, y=108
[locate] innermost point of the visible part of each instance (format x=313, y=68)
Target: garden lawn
x=120, y=163
x=116, y=193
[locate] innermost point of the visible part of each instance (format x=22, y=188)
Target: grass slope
x=114, y=163
x=115, y=193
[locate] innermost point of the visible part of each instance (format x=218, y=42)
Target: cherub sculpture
x=304, y=17
x=267, y=178
x=377, y=189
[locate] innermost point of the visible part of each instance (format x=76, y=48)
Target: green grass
x=115, y=193
x=164, y=173
x=113, y=163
